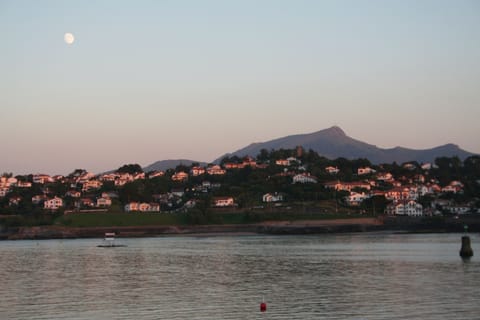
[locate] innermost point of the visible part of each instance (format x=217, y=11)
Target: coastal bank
x=394, y=224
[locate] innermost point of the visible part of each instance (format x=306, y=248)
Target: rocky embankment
x=398, y=224
x=275, y=227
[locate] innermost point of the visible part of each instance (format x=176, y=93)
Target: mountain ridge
x=333, y=143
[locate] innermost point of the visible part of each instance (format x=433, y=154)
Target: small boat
x=109, y=241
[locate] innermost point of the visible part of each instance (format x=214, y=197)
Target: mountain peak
x=334, y=131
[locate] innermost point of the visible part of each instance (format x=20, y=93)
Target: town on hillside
x=279, y=180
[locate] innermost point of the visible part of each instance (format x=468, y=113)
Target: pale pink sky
x=150, y=81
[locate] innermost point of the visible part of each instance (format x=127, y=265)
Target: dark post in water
x=466, y=250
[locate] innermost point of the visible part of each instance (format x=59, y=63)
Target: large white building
x=53, y=204
x=405, y=208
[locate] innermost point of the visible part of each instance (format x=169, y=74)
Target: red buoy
x=263, y=307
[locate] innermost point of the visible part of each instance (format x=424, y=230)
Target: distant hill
x=170, y=164
x=333, y=143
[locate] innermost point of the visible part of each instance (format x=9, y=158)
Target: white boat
x=109, y=241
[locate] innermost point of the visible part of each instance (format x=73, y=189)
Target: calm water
x=355, y=276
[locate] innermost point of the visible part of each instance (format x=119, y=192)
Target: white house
x=4, y=191
x=149, y=207
x=282, y=162
x=459, y=209
x=42, y=178
x=110, y=194
x=131, y=206
x=14, y=201
x=190, y=204
x=355, y=198
x=104, y=202
x=409, y=166
x=233, y=165
x=4, y=182
x=85, y=177
x=426, y=166
x=268, y=197
x=24, y=184
x=332, y=170
x=387, y=176
x=452, y=189
x=139, y=176
x=85, y=203
x=179, y=192
x=365, y=170
x=53, y=204
x=419, y=178
x=58, y=178
x=216, y=170
x=38, y=199
x=456, y=183
x=223, y=202
x=142, y=207
x=12, y=181
x=108, y=177
x=180, y=176
x=347, y=186
x=91, y=185
x=441, y=203
x=304, y=178
x=197, y=171
x=73, y=194
x=422, y=190
x=286, y=162
x=155, y=174
x=121, y=182
x=397, y=193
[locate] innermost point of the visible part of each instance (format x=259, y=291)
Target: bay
x=328, y=276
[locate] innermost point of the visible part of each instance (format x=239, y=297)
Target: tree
x=130, y=168
x=448, y=169
x=345, y=167
x=77, y=173
x=472, y=167
x=264, y=155
x=227, y=159
x=376, y=204
x=182, y=167
x=361, y=162
x=426, y=201
x=135, y=191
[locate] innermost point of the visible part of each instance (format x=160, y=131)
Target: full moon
x=69, y=38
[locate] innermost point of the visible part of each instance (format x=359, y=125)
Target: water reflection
x=355, y=276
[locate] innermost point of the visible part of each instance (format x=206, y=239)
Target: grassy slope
x=119, y=219
x=152, y=219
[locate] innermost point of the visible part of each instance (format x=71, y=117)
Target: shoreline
x=299, y=227
x=271, y=227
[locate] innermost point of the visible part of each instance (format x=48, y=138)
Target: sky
x=154, y=80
